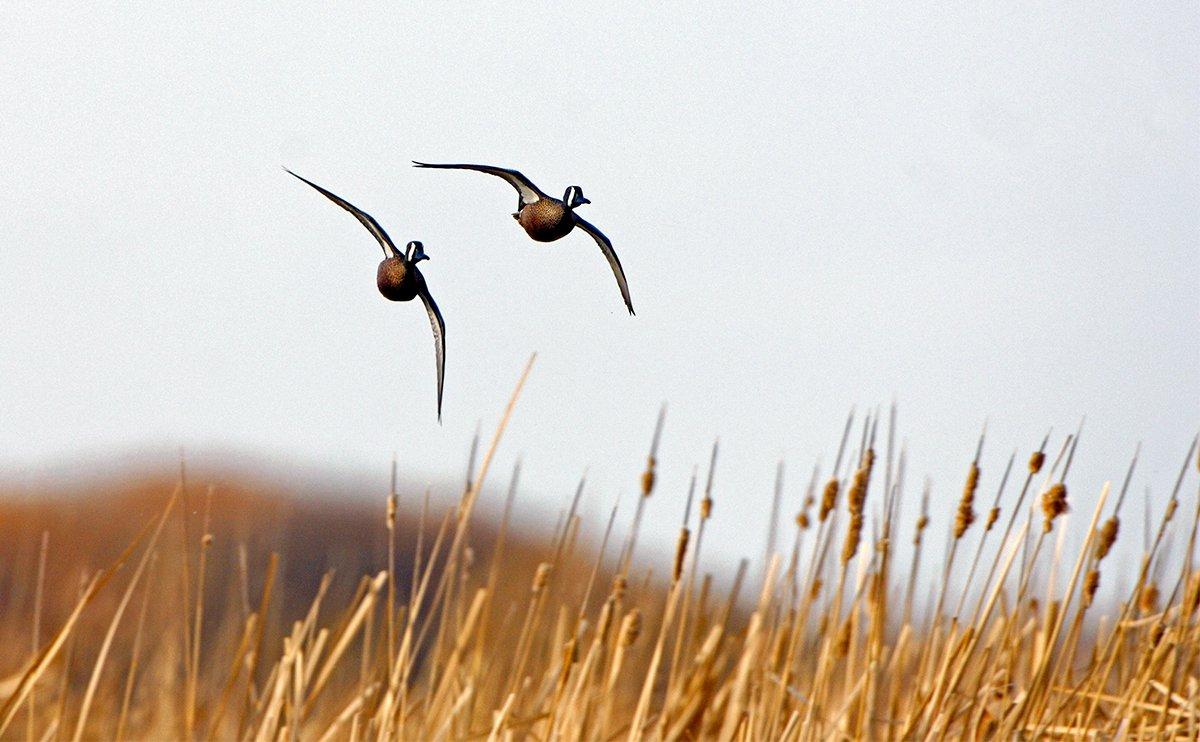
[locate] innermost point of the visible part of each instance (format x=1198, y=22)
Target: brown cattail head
x=828, y=499
x=631, y=626
x=648, y=476
x=1174, y=503
x=854, y=502
x=966, y=506
x=922, y=522
x=993, y=516
x=1148, y=599
x=1107, y=536
x=1036, y=459
x=706, y=508
x=817, y=584
x=541, y=576
x=391, y=512
x=853, y=536
x=1054, y=504
x=680, y=553
x=618, y=587
x=1090, y=584
x=802, y=520
x=843, y=639
x=1157, y=634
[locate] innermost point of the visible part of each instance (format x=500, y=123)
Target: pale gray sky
x=979, y=213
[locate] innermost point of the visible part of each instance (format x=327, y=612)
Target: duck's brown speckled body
x=546, y=219
x=399, y=280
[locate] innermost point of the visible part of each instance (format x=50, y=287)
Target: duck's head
x=415, y=252
x=574, y=197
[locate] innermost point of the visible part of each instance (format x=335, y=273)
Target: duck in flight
x=398, y=277
x=546, y=219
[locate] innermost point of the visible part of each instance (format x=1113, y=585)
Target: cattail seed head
x=1036, y=459
x=922, y=522
x=1054, y=504
x=1090, y=584
x=631, y=626
x=680, y=553
x=843, y=639
x=802, y=521
x=1107, y=536
x=1174, y=503
x=817, y=584
x=966, y=506
x=828, y=499
x=706, y=508
x=993, y=516
x=1148, y=599
x=541, y=576
x=648, y=476
x=1157, y=635
x=855, y=501
x=618, y=587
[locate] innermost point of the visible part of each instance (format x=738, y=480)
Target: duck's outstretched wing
x=439, y=342
x=528, y=192
x=368, y=221
x=611, y=255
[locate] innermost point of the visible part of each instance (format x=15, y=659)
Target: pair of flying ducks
x=544, y=218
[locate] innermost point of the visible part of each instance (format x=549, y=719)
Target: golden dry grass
x=218, y=617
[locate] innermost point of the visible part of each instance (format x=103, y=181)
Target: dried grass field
x=186, y=610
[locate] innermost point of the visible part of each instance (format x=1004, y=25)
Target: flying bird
x=546, y=219
x=398, y=277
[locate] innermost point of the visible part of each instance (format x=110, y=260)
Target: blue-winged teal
x=546, y=218
x=399, y=279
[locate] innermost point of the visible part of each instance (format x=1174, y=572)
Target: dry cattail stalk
x=828, y=499
x=631, y=626
x=1148, y=599
x=648, y=476
x=1107, y=537
x=391, y=512
x=966, y=506
x=1054, y=504
x=855, y=500
x=1090, y=584
x=1036, y=460
x=1191, y=598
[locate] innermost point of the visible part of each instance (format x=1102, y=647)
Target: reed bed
x=183, y=636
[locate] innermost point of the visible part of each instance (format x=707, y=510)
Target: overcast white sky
x=978, y=213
